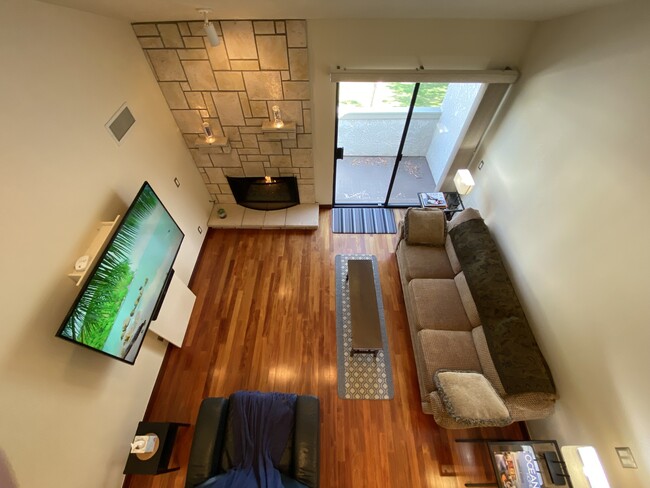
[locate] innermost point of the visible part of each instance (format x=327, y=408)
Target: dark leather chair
x=212, y=445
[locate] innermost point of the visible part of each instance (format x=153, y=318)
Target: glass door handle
x=338, y=153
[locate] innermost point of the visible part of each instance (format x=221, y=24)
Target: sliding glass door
x=370, y=127
x=395, y=140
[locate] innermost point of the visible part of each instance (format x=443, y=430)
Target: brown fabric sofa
x=445, y=325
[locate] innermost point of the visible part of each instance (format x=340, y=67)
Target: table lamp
x=463, y=181
x=584, y=467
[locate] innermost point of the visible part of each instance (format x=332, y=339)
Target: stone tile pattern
x=258, y=64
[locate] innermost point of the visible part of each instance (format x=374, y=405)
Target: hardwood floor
x=265, y=319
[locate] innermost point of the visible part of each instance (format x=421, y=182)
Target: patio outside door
x=398, y=139
x=370, y=126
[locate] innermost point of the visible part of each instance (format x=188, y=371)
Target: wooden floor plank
x=265, y=319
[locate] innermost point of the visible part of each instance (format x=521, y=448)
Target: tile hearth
x=303, y=216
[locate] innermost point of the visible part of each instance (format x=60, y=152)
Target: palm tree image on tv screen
x=113, y=311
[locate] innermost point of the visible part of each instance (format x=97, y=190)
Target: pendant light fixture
x=208, y=27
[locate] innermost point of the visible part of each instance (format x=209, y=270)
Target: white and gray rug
x=361, y=377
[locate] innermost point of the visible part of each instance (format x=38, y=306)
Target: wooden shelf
x=104, y=232
x=268, y=126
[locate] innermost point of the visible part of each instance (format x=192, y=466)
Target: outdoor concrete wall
x=379, y=133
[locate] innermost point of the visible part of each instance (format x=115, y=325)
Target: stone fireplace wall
x=257, y=65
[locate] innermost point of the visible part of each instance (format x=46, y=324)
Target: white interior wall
x=397, y=44
x=563, y=190
x=67, y=414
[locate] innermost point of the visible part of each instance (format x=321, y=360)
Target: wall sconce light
x=208, y=27
x=277, y=117
x=463, y=181
x=207, y=131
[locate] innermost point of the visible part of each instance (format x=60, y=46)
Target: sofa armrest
x=400, y=233
x=207, y=443
x=306, y=445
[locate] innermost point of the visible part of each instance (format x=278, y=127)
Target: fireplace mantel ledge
x=303, y=216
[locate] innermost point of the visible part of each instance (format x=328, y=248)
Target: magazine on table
x=433, y=199
x=518, y=469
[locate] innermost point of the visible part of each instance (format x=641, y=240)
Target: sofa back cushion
x=515, y=353
x=425, y=226
x=487, y=365
x=464, y=216
x=466, y=299
x=451, y=255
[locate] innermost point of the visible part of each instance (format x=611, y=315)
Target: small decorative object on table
x=152, y=447
x=221, y=212
x=433, y=199
x=145, y=446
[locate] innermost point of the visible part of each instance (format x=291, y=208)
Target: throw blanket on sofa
x=513, y=348
x=262, y=424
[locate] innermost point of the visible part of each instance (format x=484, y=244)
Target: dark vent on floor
x=265, y=193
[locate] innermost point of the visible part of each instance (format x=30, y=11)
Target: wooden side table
x=159, y=462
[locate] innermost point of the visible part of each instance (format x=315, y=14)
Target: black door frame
x=338, y=151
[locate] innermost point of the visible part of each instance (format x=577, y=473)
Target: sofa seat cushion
x=438, y=305
x=447, y=349
x=423, y=262
x=470, y=398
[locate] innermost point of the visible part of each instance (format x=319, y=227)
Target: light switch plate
x=626, y=458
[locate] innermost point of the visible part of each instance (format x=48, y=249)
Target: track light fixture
x=208, y=27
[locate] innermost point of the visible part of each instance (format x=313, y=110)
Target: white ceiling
x=162, y=10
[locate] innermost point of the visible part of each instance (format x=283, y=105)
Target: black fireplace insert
x=266, y=192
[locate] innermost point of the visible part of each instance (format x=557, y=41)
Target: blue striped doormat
x=363, y=221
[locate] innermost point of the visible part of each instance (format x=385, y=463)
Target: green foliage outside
x=352, y=103
x=429, y=94
x=94, y=316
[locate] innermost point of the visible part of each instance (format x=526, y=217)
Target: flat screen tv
x=124, y=290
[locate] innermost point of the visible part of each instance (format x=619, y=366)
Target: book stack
x=433, y=200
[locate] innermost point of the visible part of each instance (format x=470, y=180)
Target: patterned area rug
x=361, y=377
x=363, y=221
